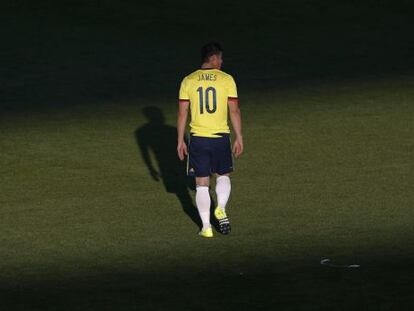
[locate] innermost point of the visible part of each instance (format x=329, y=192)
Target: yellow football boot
x=207, y=233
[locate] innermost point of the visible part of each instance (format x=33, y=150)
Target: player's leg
x=223, y=165
x=223, y=189
x=203, y=201
x=198, y=166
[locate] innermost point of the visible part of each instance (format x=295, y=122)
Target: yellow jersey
x=208, y=91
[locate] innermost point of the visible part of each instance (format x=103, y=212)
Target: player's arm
x=235, y=117
x=183, y=108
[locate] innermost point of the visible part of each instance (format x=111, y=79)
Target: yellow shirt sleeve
x=183, y=91
x=231, y=88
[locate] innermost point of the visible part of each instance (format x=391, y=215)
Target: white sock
x=203, y=202
x=223, y=188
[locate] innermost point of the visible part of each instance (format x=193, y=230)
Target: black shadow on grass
x=380, y=285
x=158, y=138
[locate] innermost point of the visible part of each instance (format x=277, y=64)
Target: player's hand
x=238, y=147
x=182, y=150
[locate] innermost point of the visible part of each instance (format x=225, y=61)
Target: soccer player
x=210, y=95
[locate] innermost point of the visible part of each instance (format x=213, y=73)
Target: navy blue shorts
x=209, y=155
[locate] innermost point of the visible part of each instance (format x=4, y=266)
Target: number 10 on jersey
x=204, y=97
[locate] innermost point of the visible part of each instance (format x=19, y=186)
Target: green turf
x=327, y=170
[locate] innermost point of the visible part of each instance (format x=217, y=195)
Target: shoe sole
x=225, y=228
x=206, y=236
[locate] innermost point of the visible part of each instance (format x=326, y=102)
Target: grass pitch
x=96, y=213
x=327, y=173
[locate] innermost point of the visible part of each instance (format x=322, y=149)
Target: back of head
x=210, y=49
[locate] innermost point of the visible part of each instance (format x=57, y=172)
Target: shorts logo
x=191, y=170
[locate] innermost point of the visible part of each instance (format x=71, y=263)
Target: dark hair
x=210, y=49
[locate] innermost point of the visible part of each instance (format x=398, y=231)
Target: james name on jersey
x=207, y=77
